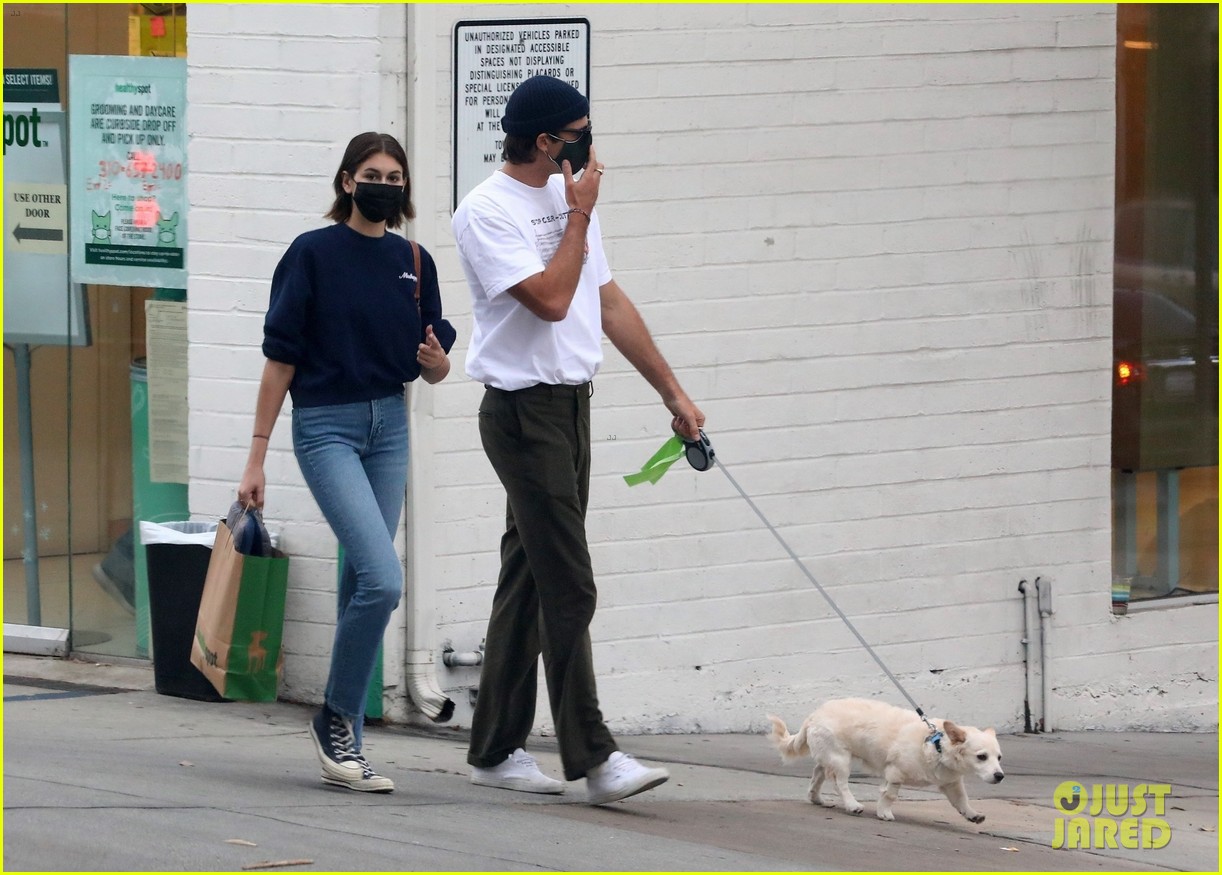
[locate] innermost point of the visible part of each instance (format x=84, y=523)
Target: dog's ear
x=953, y=732
x=991, y=731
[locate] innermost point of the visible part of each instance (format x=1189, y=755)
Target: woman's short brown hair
x=360, y=148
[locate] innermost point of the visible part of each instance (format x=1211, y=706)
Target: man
x=529, y=243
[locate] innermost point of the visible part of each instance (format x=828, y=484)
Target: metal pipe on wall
x=1032, y=642
x=1043, y=592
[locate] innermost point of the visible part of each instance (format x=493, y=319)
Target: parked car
x=1164, y=384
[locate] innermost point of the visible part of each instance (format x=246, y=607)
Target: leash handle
x=699, y=453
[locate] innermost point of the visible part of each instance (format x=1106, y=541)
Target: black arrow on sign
x=38, y=233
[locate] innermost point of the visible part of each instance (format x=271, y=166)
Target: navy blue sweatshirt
x=343, y=312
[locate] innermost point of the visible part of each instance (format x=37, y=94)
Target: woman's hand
x=252, y=489
x=433, y=361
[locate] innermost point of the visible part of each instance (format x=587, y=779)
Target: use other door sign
x=36, y=218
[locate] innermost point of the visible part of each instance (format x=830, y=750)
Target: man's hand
x=688, y=418
x=582, y=194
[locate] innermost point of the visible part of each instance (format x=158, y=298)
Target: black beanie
x=542, y=104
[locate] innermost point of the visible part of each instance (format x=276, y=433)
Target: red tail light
x=1128, y=372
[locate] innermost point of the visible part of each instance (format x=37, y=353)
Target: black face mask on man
x=378, y=201
x=577, y=154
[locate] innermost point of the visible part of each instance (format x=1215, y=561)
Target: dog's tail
x=791, y=747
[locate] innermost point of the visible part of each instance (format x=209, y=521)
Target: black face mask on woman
x=378, y=201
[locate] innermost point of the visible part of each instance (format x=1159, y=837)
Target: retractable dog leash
x=701, y=456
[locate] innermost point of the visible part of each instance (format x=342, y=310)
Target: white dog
x=894, y=744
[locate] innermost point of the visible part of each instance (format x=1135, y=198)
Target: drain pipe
x=420, y=664
x=1043, y=592
x=420, y=667
x=1032, y=706
x=452, y=658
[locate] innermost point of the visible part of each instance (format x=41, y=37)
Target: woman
x=344, y=331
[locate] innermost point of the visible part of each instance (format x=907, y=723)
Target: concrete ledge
x=35, y=640
x=136, y=675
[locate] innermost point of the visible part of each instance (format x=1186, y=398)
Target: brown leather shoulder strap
x=416, y=264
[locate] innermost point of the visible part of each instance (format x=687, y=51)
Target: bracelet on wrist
x=265, y=437
x=578, y=210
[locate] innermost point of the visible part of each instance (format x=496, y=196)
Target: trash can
x=177, y=556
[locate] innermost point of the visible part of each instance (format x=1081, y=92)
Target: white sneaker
x=518, y=772
x=620, y=777
x=368, y=781
x=342, y=764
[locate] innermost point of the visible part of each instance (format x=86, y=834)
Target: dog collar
x=935, y=738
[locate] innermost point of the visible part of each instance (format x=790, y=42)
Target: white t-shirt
x=507, y=231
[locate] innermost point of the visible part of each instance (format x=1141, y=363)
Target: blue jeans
x=354, y=459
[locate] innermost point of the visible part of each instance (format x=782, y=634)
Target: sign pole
x=25, y=426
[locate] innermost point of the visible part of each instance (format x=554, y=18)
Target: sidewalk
x=103, y=774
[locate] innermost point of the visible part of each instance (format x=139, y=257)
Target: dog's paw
x=885, y=815
x=975, y=818
x=826, y=803
x=856, y=809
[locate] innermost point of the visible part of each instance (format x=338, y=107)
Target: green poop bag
x=652, y=471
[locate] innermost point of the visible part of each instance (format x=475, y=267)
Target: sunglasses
x=578, y=134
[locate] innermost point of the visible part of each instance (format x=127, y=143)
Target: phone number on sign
x=138, y=168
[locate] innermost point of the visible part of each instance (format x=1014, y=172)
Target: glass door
x=73, y=368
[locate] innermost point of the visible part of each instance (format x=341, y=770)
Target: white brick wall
x=875, y=243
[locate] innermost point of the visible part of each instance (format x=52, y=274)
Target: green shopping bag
x=240, y=626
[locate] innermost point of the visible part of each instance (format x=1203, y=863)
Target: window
x=69, y=429
x=1165, y=363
